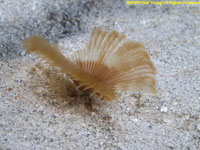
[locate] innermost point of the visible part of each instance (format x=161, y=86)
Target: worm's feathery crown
x=108, y=64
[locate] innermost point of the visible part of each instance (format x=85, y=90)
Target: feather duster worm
x=109, y=65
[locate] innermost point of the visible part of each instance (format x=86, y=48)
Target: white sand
x=40, y=108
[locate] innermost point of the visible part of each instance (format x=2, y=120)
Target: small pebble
x=198, y=125
x=135, y=120
x=163, y=109
x=174, y=103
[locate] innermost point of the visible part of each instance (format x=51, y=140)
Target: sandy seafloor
x=40, y=109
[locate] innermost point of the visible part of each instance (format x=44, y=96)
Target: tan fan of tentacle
x=109, y=64
x=121, y=65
